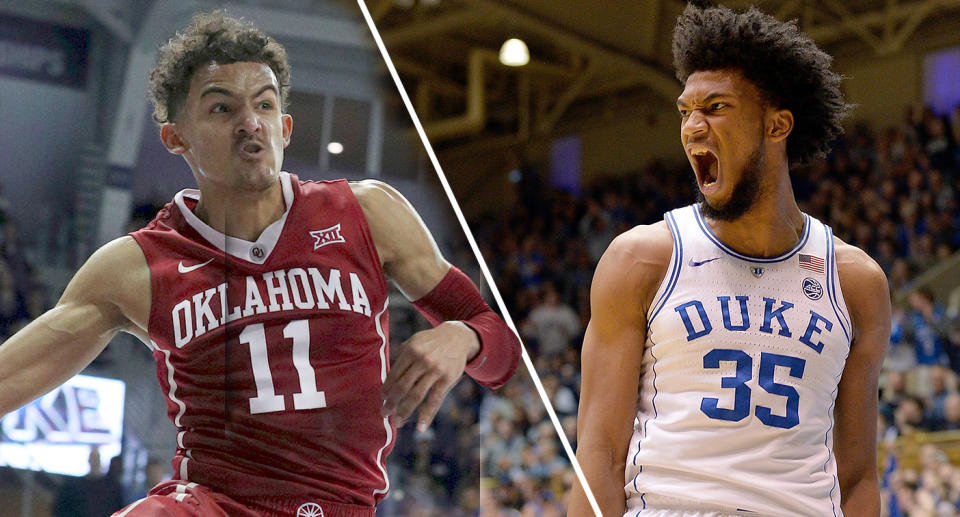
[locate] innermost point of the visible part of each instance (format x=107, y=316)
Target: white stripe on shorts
x=131, y=507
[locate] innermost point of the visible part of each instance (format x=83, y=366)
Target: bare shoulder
x=636, y=262
x=407, y=251
x=859, y=273
x=378, y=198
x=865, y=290
x=644, y=243
x=395, y=225
x=117, y=274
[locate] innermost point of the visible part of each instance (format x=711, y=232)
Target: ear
x=171, y=139
x=779, y=124
x=287, y=123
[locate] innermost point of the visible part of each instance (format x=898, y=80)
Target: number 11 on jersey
x=267, y=401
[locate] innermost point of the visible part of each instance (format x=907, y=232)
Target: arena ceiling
x=584, y=59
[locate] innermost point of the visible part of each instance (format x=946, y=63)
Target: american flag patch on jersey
x=812, y=263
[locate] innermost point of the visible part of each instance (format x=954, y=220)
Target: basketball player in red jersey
x=264, y=300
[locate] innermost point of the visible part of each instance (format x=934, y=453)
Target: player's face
x=231, y=130
x=722, y=134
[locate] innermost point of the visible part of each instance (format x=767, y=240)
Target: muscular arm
x=101, y=299
x=431, y=361
x=855, y=433
x=409, y=254
x=625, y=281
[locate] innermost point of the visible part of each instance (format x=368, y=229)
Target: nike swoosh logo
x=694, y=263
x=186, y=269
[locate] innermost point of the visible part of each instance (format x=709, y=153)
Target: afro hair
x=783, y=63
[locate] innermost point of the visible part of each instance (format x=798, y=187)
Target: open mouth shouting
x=251, y=150
x=707, y=168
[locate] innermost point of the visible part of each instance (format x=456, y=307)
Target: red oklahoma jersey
x=272, y=353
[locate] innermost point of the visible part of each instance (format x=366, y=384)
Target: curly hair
x=783, y=63
x=210, y=38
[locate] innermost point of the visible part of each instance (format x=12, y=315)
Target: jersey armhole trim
x=154, y=288
x=653, y=404
x=364, y=224
x=832, y=276
x=676, y=263
x=828, y=445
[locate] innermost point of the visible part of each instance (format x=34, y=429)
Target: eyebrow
x=228, y=93
x=706, y=100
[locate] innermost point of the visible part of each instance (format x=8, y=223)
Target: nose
x=695, y=124
x=248, y=122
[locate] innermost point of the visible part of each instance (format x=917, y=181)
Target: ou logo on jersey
x=309, y=510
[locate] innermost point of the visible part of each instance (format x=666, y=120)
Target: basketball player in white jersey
x=730, y=365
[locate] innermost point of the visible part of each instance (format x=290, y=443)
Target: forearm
x=48, y=351
x=455, y=298
x=861, y=499
x=604, y=473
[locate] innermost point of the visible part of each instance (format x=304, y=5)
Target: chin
x=729, y=209
x=736, y=199
x=268, y=178
x=259, y=180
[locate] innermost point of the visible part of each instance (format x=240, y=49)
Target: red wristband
x=456, y=298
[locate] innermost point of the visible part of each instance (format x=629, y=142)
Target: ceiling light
x=514, y=52
x=334, y=148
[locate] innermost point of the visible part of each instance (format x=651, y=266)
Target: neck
x=243, y=215
x=772, y=226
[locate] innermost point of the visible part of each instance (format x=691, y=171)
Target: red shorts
x=176, y=498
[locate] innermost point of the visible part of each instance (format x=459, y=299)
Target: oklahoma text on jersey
x=274, y=291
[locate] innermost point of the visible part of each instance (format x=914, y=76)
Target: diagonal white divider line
x=476, y=251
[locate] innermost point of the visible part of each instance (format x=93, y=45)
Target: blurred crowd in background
x=22, y=296
x=893, y=191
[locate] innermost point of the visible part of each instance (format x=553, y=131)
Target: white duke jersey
x=739, y=377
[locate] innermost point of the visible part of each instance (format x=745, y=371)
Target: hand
x=428, y=365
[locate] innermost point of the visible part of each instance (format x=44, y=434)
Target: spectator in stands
x=953, y=344
x=564, y=399
x=951, y=413
x=939, y=145
x=492, y=497
x=902, y=354
x=893, y=393
x=942, y=382
x=15, y=257
x=155, y=471
x=552, y=325
x=908, y=416
x=926, y=328
x=932, y=490
x=95, y=495
x=9, y=300
x=899, y=275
